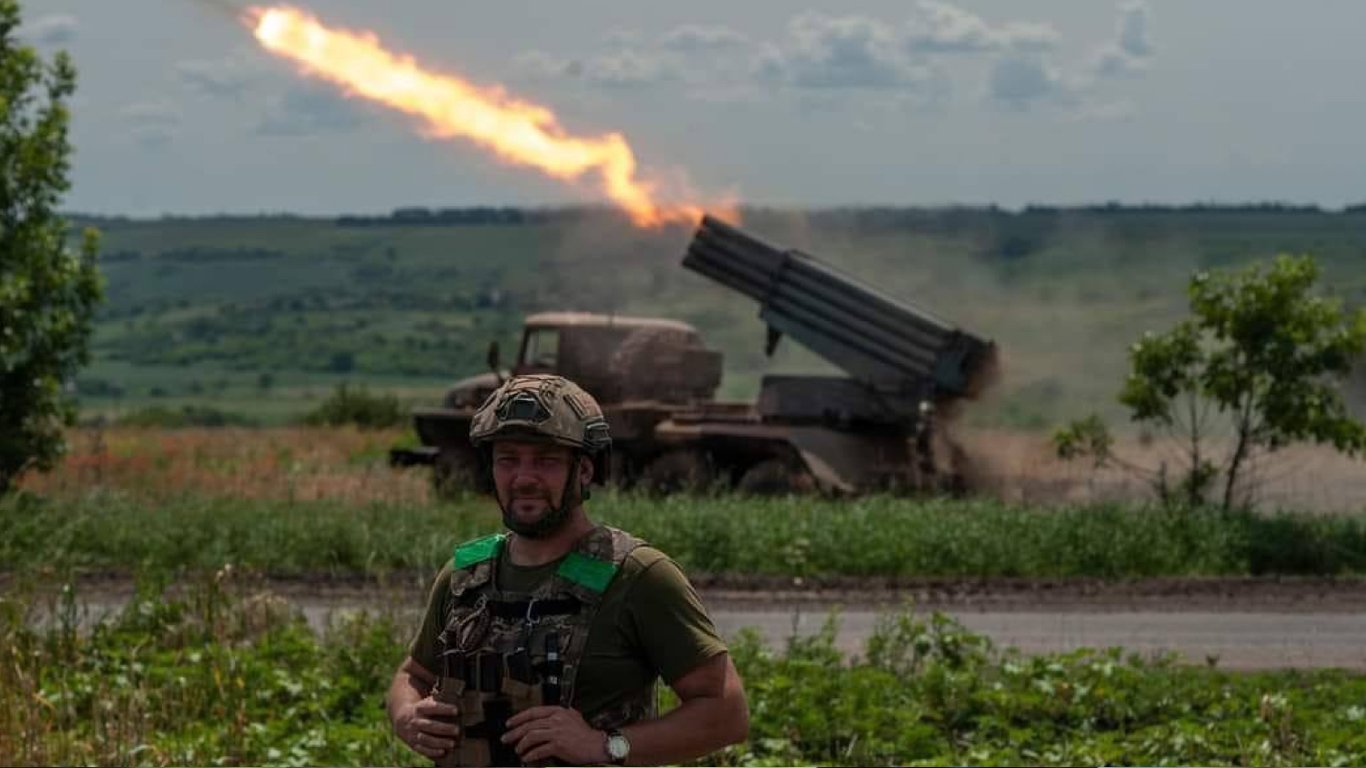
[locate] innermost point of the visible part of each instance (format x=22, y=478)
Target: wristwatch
x=617, y=747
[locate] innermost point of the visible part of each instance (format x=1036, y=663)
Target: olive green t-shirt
x=651, y=623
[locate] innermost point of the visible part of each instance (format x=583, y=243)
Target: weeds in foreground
x=228, y=676
x=221, y=676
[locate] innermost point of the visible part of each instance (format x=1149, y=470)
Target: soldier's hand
x=429, y=727
x=541, y=733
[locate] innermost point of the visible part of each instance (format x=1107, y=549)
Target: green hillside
x=263, y=315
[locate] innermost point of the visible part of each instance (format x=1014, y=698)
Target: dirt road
x=1240, y=623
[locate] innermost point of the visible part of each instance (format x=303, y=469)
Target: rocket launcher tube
x=896, y=349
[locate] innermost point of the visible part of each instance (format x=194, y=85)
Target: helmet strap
x=584, y=493
x=569, y=482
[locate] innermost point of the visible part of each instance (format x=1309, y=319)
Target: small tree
x=47, y=293
x=1262, y=352
x=357, y=406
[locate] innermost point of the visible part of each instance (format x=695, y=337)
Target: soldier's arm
x=424, y=724
x=712, y=714
x=679, y=638
x=414, y=676
x=412, y=683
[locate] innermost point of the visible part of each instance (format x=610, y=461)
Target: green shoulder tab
x=478, y=551
x=587, y=571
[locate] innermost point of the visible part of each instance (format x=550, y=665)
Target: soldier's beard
x=552, y=520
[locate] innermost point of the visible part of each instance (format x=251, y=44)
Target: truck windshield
x=542, y=348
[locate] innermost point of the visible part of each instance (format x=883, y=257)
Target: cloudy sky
x=855, y=102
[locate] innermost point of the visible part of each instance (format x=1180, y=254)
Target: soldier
x=543, y=644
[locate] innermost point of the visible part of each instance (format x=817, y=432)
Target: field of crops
x=218, y=671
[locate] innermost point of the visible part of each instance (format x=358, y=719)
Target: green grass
x=106, y=530
x=222, y=676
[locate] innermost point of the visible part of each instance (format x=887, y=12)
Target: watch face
x=618, y=746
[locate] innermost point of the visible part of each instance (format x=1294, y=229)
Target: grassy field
x=314, y=500
x=226, y=676
x=199, y=310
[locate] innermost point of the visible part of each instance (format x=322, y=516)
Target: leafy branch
x=1262, y=353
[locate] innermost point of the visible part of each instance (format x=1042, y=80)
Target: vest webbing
x=484, y=624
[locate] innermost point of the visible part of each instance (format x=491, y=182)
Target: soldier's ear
x=585, y=470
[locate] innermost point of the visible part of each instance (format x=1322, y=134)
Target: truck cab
x=613, y=357
x=620, y=360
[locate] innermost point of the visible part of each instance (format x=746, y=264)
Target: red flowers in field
x=302, y=463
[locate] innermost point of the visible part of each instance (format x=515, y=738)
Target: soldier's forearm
x=406, y=689
x=698, y=727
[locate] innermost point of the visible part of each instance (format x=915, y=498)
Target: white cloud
x=939, y=27
x=293, y=108
x=1131, y=49
x=1133, y=29
x=818, y=51
x=1110, y=61
x=842, y=52
x=223, y=77
x=52, y=29
x=627, y=67
x=1021, y=79
x=882, y=61
x=704, y=38
x=309, y=110
x=152, y=123
x=540, y=65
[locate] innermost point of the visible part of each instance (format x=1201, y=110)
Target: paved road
x=1238, y=640
x=1243, y=624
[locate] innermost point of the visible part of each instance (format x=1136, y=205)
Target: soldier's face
x=530, y=479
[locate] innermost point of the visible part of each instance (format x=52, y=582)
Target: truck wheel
x=454, y=472
x=677, y=472
x=775, y=477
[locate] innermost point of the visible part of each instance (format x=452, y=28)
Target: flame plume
x=517, y=131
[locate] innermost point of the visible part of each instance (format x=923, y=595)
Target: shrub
x=357, y=406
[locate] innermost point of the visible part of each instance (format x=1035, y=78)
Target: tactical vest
x=504, y=652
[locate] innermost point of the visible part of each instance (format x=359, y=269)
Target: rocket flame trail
x=518, y=131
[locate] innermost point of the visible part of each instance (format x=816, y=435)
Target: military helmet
x=542, y=407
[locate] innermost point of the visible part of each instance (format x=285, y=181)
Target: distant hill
x=264, y=314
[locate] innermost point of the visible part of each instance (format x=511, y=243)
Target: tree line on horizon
x=514, y=215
